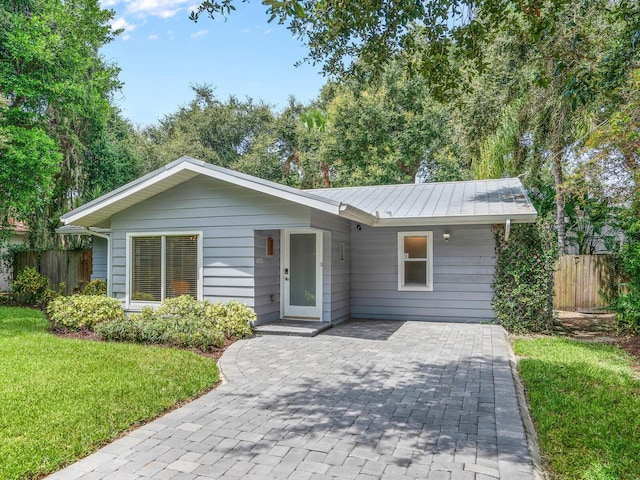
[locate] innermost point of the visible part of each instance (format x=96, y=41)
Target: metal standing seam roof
x=444, y=200
x=484, y=201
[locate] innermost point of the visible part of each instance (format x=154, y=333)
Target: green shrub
x=182, y=322
x=143, y=297
x=627, y=305
x=233, y=318
x=523, y=284
x=79, y=312
x=30, y=287
x=94, y=287
x=627, y=308
x=185, y=332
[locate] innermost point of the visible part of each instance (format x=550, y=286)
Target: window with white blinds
x=146, y=271
x=181, y=266
x=163, y=266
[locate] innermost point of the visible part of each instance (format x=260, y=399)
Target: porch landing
x=300, y=328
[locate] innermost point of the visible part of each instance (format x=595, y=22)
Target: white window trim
x=401, y=261
x=136, y=305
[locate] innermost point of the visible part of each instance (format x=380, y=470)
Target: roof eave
x=456, y=220
x=79, y=216
x=355, y=214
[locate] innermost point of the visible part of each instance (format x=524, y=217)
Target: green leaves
x=523, y=285
x=30, y=160
x=58, y=88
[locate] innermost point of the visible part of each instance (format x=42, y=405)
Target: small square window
x=415, y=261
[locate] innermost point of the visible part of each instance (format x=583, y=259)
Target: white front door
x=302, y=274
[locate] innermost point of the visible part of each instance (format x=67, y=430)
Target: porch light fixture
x=269, y=246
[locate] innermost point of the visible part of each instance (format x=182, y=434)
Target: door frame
x=289, y=311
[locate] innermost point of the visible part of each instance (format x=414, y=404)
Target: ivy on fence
x=523, y=285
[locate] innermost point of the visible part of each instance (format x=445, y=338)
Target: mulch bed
x=631, y=345
x=91, y=336
x=596, y=328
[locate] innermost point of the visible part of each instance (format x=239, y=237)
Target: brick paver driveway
x=365, y=400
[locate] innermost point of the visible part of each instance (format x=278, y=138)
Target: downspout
x=107, y=237
x=507, y=230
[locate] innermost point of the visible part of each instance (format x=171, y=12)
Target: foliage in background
x=528, y=83
x=62, y=398
x=627, y=305
x=387, y=131
x=79, y=312
x=182, y=322
x=57, y=88
x=584, y=401
x=523, y=284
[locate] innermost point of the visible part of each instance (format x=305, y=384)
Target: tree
x=58, y=89
x=567, y=44
x=239, y=134
x=386, y=132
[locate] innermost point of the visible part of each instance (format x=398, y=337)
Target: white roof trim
x=183, y=169
x=454, y=220
x=197, y=167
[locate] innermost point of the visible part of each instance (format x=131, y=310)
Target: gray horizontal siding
x=267, y=276
x=99, y=258
x=227, y=216
x=463, y=271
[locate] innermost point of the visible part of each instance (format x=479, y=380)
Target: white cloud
x=122, y=24
x=155, y=8
x=153, y=36
x=199, y=33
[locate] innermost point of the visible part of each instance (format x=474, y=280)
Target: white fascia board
x=116, y=196
x=270, y=188
x=456, y=220
x=355, y=214
x=78, y=230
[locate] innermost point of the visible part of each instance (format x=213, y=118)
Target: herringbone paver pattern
x=365, y=400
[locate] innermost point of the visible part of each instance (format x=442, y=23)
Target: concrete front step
x=300, y=328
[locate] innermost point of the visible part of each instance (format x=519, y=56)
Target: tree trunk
x=558, y=178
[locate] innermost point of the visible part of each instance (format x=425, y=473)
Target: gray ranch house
x=399, y=252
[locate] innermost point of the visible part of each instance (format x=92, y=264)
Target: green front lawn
x=585, y=402
x=62, y=398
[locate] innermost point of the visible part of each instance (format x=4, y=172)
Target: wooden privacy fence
x=71, y=267
x=581, y=280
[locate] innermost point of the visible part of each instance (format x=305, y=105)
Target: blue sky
x=161, y=53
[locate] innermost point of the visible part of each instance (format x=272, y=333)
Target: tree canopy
x=57, y=90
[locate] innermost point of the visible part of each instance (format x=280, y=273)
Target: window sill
x=415, y=288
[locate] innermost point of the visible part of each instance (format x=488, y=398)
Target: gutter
x=453, y=220
x=352, y=213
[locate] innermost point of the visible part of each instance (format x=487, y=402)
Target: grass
x=62, y=398
x=585, y=402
